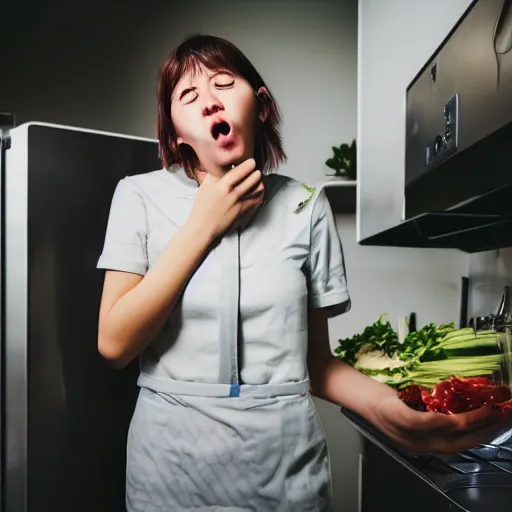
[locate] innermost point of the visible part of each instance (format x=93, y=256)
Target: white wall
x=396, y=38
x=95, y=66
x=489, y=272
x=398, y=281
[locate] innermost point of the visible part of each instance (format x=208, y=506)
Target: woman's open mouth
x=219, y=129
x=222, y=134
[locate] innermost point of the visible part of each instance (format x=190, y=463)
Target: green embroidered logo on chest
x=302, y=204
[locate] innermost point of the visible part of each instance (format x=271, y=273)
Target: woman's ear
x=179, y=141
x=264, y=98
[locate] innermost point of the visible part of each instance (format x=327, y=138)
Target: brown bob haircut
x=213, y=53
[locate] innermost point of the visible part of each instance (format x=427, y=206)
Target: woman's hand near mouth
x=220, y=202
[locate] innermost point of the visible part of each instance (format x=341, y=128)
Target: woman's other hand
x=438, y=433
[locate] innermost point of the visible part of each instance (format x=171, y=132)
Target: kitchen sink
x=481, y=492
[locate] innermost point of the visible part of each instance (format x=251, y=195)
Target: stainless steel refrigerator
x=64, y=412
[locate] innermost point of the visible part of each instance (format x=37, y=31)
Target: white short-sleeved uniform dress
x=224, y=420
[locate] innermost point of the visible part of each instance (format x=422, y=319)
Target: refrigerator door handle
x=7, y=121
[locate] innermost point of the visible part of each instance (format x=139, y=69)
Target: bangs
x=215, y=55
x=193, y=63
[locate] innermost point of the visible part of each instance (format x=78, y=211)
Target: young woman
x=221, y=277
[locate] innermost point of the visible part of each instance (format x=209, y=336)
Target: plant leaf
x=332, y=163
x=345, y=151
x=351, y=172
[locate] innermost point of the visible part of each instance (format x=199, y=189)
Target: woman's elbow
x=112, y=353
x=317, y=373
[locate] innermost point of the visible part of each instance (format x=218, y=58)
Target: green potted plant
x=344, y=161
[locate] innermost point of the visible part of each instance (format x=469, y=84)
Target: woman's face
x=215, y=112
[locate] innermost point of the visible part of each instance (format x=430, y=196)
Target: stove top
x=478, y=480
x=488, y=459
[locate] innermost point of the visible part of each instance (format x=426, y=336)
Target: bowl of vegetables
x=436, y=368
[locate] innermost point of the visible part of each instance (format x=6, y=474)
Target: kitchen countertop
x=474, y=481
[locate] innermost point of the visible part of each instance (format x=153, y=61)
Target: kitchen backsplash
x=489, y=272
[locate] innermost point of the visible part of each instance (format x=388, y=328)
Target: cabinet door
x=388, y=485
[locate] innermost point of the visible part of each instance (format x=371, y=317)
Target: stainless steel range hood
x=458, y=171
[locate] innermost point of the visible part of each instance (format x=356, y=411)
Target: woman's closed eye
x=223, y=80
x=224, y=85
x=190, y=95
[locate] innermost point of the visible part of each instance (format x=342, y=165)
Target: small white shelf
x=334, y=181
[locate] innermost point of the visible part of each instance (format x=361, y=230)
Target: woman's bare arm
x=339, y=383
x=134, y=308
x=336, y=381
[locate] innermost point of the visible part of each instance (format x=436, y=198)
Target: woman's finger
x=432, y=423
x=480, y=418
x=251, y=202
x=209, y=179
x=234, y=177
x=255, y=192
x=478, y=436
x=247, y=185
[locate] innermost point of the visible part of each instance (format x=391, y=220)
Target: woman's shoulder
x=157, y=185
x=143, y=179
x=289, y=193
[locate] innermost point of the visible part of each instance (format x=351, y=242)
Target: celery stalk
x=430, y=373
